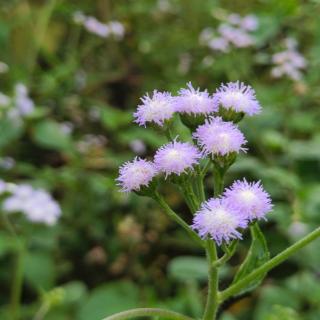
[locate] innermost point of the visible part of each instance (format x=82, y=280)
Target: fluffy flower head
x=237, y=96
x=218, y=137
x=249, y=198
x=194, y=101
x=156, y=108
x=176, y=157
x=218, y=220
x=135, y=174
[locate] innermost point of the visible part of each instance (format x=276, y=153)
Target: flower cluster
x=103, y=30
x=221, y=218
x=288, y=62
x=215, y=138
x=36, y=204
x=235, y=31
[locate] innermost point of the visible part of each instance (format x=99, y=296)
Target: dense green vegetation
x=110, y=251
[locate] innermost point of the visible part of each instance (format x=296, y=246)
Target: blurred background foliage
x=111, y=251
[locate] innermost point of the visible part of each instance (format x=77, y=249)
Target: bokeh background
x=68, y=90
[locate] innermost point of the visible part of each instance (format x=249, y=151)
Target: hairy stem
x=212, y=298
x=213, y=277
x=279, y=258
x=148, y=312
x=177, y=219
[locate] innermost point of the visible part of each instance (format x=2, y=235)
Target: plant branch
x=282, y=256
x=212, y=298
x=177, y=219
x=148, y=312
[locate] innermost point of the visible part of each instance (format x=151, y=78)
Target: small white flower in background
x=78, y=17
x=138, y=146
x=36, y=204
x=7, y=163
x=103, y=30
x=234, y=32
x=96, y=27
x=67, y=127
x=4, y=68
x=288, y=62
x=164, y=6
x=116, y=29
x=22, y=102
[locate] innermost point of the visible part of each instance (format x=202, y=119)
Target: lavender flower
x=37, y=205
x=288, y=62
x=249, y=198
x=23, y=103
x=96, y=27
x=234, y=32
x=218, y=137
x=136, y=174
x=218, y=220
x=176, y=157
x=103, y=30
x=194, y=101
x=237, y=96
x=250, y=22
x=157, y=108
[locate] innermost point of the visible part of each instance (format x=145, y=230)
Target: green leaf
x=188, y=268
x=39, y=270
x=283, y=313
x=113, y=119
x=257, y=255
x=49, y=134
x=109, y=299
x=9, y=131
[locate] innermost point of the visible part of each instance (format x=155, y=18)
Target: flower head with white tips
x=176, y=157
x=136, y=174
x=238, y=97
x=194, y=101
x=218, y=137
x=219, y=221
x=250, y=198
x=156, y=108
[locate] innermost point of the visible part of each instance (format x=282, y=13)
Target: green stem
x=282, y=256
x=177, y=219
x=189, y=196
x=148, y=312
x=218, y=181
x=16, y=286
x=206, y=167
x=228, y=255
x=17, y=282
x=212, y=298
x=200, y=187
x=41, y=29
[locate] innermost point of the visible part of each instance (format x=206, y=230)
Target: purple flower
x=218, y=137
x=249, y=198
x=218, y=220
x=176, y=157
x=237, y=96
x=219, y=44
x=157, y=108
x=250, y=22
x=135, y=174
x=194, y=101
